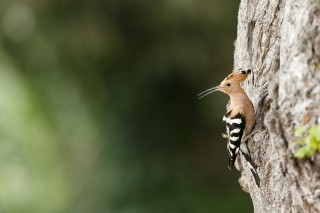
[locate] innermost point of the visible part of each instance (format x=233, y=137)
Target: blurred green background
x=99, y=108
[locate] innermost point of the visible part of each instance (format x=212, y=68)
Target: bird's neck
x=238, y=98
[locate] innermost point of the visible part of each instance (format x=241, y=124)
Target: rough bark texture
x=280, y=41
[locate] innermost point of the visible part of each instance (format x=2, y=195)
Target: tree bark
x=280, y=41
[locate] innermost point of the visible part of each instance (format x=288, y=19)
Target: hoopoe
x=240, y=118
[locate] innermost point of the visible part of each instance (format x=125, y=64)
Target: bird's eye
x=228, y=84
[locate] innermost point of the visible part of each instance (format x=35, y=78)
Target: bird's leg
x=249, y=136
x=254, y=131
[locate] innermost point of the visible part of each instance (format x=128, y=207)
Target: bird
x=239, y=118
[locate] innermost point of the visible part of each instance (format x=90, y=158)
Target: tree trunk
x=280, y=41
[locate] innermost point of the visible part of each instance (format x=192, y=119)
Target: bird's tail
x=252, y=166
x=231, y=162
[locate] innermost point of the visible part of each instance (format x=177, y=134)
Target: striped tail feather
x=231, y=162
x=252, y=166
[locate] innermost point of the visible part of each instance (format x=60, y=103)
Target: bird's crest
x=229, y=84
x=238, y=76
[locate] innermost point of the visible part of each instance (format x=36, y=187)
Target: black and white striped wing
x=235, y=131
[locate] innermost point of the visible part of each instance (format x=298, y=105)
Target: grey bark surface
x=280, y=41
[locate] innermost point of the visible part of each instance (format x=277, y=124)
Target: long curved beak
x=208, y=91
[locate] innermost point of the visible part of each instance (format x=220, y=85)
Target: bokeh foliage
x=99, y=111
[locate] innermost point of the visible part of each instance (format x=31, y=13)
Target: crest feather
x=238, y=76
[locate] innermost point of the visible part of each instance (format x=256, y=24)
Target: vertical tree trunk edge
x=280, y=41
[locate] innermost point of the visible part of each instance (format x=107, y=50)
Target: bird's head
x=230, y=84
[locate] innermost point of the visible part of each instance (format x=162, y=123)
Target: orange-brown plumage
x=240, y=117
x=238, y=97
